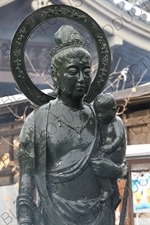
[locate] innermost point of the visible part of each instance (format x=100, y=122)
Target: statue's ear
x=54, y=78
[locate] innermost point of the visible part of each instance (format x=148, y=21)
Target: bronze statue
x=60, y=140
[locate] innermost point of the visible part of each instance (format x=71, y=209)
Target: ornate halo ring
x=28, y=26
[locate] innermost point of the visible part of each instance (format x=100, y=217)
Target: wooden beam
x=6, y=172
x=138, y=161
x=11, y=123
x=140, y=120
x=139, y=165
x=10, y=132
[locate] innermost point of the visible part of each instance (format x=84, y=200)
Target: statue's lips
x=80, y=87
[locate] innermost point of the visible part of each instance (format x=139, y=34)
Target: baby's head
x=105, y=107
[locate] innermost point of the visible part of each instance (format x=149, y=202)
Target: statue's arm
x=107, y=169
x=25, y=203
x=26, y=192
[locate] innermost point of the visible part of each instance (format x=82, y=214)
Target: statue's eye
x=87, y=71
x=72, y=71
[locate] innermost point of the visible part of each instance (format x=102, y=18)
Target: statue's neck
x=74, y=104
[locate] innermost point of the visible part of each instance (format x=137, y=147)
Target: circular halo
x=28, y=26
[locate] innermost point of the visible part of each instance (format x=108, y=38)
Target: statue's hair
x=105, y=99
x=59, y=58
x=69, y=43
x=67, y=37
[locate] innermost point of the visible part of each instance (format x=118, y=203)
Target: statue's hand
x=106, y=149
x=105, y=168
x=96, y=164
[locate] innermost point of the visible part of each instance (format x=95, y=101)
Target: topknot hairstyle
x=67, y=37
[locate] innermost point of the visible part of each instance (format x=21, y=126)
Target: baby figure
x=113, y=141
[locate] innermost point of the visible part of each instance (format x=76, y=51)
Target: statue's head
x=71, y=64
x=105, y=107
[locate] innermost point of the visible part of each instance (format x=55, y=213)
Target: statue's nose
x=81, y=77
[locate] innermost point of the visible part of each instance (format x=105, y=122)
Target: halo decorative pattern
x=26, y=28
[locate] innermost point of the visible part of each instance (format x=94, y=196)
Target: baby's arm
x=106, y=149
x=119, y=136
x=120, y=133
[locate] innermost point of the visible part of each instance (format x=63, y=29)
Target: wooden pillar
x=11, y=155
x=130, y=213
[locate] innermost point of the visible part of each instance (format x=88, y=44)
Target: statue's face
x=74, y=76
x=104, y=113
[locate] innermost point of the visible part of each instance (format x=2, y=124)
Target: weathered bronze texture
x=63, y=147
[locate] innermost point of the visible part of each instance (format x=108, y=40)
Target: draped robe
x=54, y=209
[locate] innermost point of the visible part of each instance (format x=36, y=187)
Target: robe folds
x=54, y=209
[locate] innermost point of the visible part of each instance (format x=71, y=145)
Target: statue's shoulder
x=119, y=121
x=30, y=119
x=36, y=117
x=42, y=108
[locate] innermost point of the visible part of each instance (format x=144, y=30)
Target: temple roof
x=126, y=27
